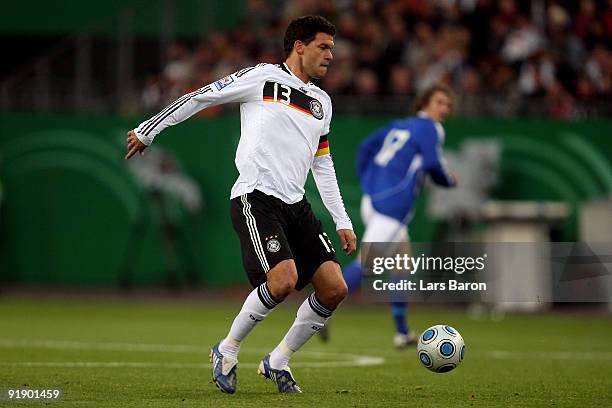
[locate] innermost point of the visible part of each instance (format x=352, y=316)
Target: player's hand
x=348, y=239
x=134, y=145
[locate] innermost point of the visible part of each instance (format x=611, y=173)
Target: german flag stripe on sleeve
x=323, y=146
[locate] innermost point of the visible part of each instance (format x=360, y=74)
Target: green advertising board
x=73, y=213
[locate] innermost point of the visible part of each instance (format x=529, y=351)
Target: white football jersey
x=284, y=127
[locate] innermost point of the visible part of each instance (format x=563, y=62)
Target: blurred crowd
x=502, y=57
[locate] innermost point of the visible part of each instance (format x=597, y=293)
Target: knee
x=334, y=295
x=282, y=280
x=281, y=288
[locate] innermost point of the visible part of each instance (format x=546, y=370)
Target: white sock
x=311, y=317
x=256, y=307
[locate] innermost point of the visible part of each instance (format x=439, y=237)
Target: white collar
x=309, y=83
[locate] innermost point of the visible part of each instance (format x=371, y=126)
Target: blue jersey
x=393, y=161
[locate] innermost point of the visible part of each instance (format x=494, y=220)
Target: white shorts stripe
x=324, y=243
x=250, y=220
x=331, y=246
x=252, y=226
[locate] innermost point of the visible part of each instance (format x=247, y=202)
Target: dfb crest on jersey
x=223, y=82
x=316, y=109
x=273, y=245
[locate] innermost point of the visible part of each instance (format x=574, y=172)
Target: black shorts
x=271, y=231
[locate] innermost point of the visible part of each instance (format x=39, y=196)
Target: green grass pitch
x=154, y=353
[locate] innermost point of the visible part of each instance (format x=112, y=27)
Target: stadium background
x=77, y=81
x=74, y=216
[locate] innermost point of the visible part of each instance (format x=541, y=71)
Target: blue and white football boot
x=282, y=378
x=224, y=370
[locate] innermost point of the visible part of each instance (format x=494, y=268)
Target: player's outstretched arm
x=241, y=86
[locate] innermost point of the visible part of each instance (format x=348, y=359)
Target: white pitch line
x=549, y=355
x=103, y=364
x=351, y=359
x=139, y=364
x=348, y=360
x=106, y=346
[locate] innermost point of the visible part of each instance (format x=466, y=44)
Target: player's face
x=439, y=106
x=317, y=55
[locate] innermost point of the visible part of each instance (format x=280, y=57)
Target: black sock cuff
x=266, y=296
x=318, y=307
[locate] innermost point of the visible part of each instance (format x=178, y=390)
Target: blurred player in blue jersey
x=392, y=164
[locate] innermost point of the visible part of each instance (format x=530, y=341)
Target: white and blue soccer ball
x=441, y=348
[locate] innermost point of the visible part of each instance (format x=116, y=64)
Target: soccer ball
x=440, y=348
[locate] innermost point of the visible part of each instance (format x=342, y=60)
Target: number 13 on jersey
x=285, y=93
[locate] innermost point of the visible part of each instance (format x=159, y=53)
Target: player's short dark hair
x=305, y=29
x=423, y=99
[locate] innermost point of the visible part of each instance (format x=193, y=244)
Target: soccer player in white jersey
x=285, y=120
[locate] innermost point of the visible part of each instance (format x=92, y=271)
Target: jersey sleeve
x=241, y=86
x=323, y=147
x=328, y=117
x=431, y=147
x=324, y=175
